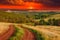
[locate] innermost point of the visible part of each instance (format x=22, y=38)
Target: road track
x=28, y=35
x=7, y=34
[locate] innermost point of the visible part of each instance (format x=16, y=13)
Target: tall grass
x=37, y=34
x=18, y=34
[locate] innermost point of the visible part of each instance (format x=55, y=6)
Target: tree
x=58, y=22
x=42, y=22
x=49, y=21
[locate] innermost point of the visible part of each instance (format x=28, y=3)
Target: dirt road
x=28, y=35
x=49, y=35
x=7, y=34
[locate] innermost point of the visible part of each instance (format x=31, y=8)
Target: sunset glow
x=32, y=5
x=16, y=2
x=28, y=5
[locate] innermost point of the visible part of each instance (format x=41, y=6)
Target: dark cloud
x=10, y=2
x=45, y=2
x=50, y=2
x=3, y=2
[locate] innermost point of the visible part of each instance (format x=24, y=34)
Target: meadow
x=29, y=25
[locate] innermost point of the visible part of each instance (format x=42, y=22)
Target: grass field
x=34, y=30
x=56, y=16
x=49, y=32
x=18, y=34
x=2, y=28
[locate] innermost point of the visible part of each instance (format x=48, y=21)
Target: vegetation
x=18, y=34
x=37, y=35
x=13, y=17
x=32, y=18
x=55, y=22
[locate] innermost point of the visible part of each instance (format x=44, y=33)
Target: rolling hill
x=56, y=16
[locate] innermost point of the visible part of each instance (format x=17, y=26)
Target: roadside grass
x=37, y=35
x=18, y=34
x=56, y=16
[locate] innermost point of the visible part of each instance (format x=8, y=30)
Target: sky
x=30, y=4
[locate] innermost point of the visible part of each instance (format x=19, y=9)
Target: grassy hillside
x=47, y=32
x=53, y=19
x=18, y=34
x=12, y=17
x=28, y=17
x=40, y=32
x=56, y=16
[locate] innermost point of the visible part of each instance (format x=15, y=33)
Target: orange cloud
x=29, y=5
x=15, y=2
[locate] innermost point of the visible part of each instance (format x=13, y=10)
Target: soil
x=28, y=35
x=7, y=34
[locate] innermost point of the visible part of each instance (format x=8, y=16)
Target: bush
x=42, y=22
x=37, y=35
x=17, y=34
x=55, y=22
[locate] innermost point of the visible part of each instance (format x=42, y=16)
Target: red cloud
x=19, y=4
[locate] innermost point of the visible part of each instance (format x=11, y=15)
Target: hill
x=28, y=17
x=56, y=16
x=13, y=17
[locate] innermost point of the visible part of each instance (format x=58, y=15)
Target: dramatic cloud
x=45, y=2
x=11, y=2
x=50, y=2
x=30, y=4
x=17, y=2
x=3, y=2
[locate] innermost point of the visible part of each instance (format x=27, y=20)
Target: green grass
x=56, y=16
x=37, y=34
x=18, y=34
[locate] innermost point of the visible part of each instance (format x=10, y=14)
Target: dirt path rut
x=7, y=34
x=28, y=35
